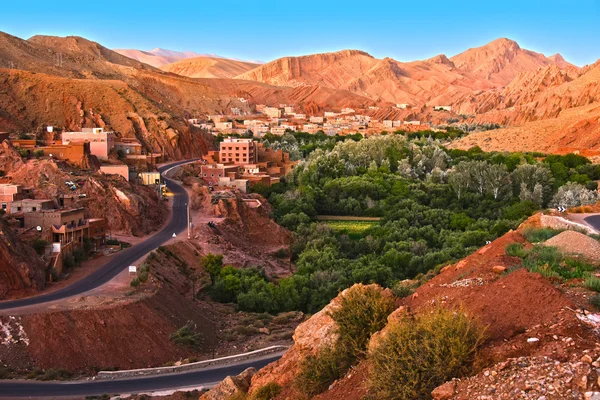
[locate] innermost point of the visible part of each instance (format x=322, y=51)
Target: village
x=61, y=227
x=277, y=120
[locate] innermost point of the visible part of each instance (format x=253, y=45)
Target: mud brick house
x=8, y=194
x=101, y=142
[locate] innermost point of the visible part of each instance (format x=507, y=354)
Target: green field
x=354, y=229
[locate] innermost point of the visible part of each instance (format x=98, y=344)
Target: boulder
x=230, y=386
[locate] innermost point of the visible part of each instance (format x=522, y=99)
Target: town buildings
x=101, y=142
x=240, y=163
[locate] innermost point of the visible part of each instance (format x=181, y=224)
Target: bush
x=39, y=245
x=595, y=301
x=535, y=235
x=593, y=283
x=516, y=250
x=402, y=290
x=420, y=354
x=55, y=374
x=319, y=371
x=362, y=312
x=135, y=282
x=187, y=336
x=267, y=392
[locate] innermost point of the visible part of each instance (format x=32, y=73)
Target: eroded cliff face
x=22, y=271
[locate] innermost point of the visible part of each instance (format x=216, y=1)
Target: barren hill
x=209, y=67
x=157, y=57
x=550, y=109
x=436, y=81
x=500, y=61
x=125, y=95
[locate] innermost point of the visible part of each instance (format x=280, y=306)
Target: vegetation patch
x=363, y=311
x=417, y=355
x=187, y=336
x=354, y=229
x=551, y=262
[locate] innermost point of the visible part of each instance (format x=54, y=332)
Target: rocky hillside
x=22, y=271
x=209, y=67
x=533, y=325
x=501, y=60
x=436, y=81
x=553, y=109
x=125, y=95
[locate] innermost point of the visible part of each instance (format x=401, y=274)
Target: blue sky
x=265, y=30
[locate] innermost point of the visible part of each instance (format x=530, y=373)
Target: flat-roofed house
x=101, y=141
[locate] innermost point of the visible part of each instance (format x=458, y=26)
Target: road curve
x=205, y=377
x=124, y=258
x=593, y=221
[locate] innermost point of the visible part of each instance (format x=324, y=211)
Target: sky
x=265, y=30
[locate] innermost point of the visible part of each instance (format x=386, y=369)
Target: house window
x=4, y=206
x=18, y=208
x=33, y=208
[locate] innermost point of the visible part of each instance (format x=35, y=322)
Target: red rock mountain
x=209, y=67
x=435, y=81
x=125, y=95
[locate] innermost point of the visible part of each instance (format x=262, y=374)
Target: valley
x=338, y=224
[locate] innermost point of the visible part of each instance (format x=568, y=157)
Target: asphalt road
x=58, y=390
x=594, y=221
x=123, y=259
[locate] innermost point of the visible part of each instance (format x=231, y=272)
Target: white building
x=273, y=112
x=347, y=110
x=316, y=120
x=224, y=126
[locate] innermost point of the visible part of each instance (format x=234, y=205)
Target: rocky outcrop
x=230, y=386
x=22, y=271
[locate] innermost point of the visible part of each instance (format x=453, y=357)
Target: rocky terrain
x=540, y=341
x=437, y=81
x=22, y=271
x=209, y=67
x=130, y=97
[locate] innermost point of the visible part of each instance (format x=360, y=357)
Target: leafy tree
x=212, y=264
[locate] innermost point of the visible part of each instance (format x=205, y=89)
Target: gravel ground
x=576, y=243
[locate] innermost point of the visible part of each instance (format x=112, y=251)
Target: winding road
x=188, y=379
x=123, y=259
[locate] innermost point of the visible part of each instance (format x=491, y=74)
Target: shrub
x=516, y=250
x=39, y=245
x=187, y=336
x=135, y=282
x=402, y=290
x=363, y=311
x=420, y=354
x=267, y=392
x=595, y=301
x=55, y=374
x=593, y=283
x=535, y=235
x=318, y=371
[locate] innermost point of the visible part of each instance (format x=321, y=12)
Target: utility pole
x=189, y=224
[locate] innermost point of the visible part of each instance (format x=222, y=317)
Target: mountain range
x=72, y=82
